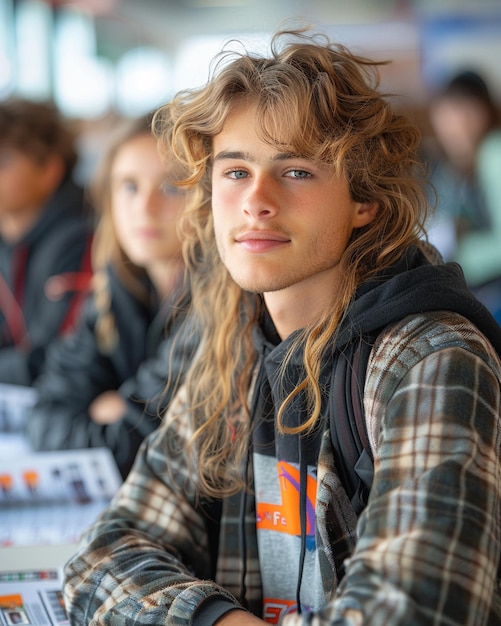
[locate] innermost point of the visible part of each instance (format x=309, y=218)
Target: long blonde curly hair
x=106, y=250
x=325, y=100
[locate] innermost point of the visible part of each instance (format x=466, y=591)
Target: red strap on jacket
x=77, y=282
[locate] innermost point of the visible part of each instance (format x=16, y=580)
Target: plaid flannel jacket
x=424, y=551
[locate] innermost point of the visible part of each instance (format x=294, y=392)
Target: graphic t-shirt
x=279, y=538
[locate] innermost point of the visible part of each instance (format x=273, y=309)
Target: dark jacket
x=53, y=256
x=76, y=372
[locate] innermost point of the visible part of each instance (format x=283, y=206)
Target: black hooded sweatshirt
x=44, y=278
x=414, y=285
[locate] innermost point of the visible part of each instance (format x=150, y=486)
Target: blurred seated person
x=464, y=121
x=104, y=383
x=45, y=234
x=480, y=252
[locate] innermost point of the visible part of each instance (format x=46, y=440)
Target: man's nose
x=261, y=200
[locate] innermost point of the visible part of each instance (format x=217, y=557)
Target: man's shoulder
x=423, y=333
x=403, y=345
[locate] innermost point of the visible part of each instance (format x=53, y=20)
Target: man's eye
x=298, y=174
x=237, y=174
x=6, y=158
x=129, y=186
x=169, y=189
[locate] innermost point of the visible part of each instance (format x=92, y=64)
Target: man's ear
x=54, y=169
x=364, y=214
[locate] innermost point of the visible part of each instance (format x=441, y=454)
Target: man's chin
x=258, y=286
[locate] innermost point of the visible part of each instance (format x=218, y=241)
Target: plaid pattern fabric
x=425, y=550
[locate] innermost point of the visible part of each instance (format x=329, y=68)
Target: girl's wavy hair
x=106, y=250
x=325, y=102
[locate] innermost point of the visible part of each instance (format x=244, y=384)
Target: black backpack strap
x=350, y=441
x=212, y=510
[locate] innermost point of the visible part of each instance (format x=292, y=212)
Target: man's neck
x=296, y=307
x=14, y=226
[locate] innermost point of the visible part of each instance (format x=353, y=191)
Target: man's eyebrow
x=245, y=156
x=229, y=154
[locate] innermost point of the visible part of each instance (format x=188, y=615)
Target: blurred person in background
x=103, y=384
x=462, y=117
x=45, y=235
x=466, y=176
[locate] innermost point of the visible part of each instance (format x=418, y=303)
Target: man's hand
x=107, y=408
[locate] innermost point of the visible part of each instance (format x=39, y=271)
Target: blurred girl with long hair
x=103, y=385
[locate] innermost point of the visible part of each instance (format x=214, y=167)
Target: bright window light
x=6, y=48
x=83, y=83
x=195, y=54
x=143, y=81
x=33, y=34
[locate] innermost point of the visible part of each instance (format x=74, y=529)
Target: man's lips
x=148, y=232
x=261, y=241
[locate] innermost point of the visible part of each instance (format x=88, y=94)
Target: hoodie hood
x=419, y=282
x=415, y=284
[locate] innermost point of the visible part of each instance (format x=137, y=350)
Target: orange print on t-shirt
x=284, y=517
